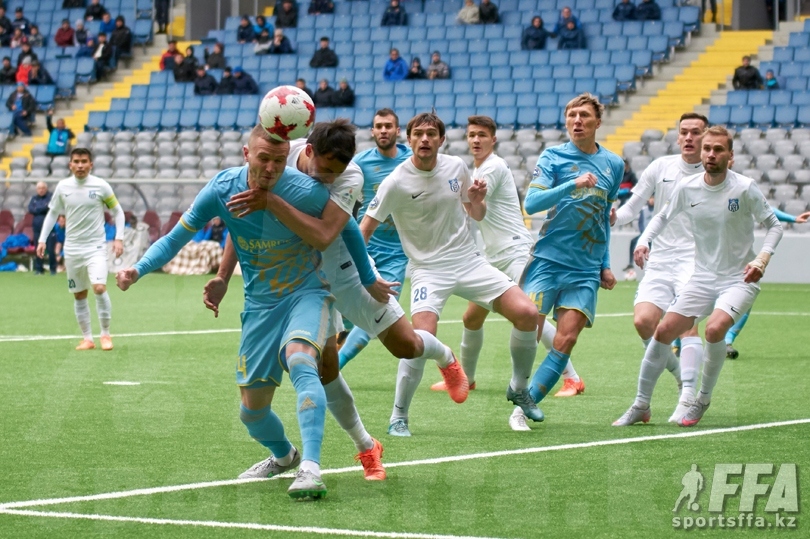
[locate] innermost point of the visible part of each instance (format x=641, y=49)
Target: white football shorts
x=86, y=269
x=659, y=286
x=702, y=296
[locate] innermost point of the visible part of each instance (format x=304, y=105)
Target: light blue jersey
x=376, y=167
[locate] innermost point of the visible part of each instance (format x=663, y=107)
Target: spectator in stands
x=395, y=68
x=189, y=66
x=107, y=24
x=469, y=13
x=121, y=39
x=38, y=208
x=562, y=23
x=94, y=11
x=648, y=10
x=394, y=15
x=162, y=15
x=770, y=81
x=624, y=11
x=301, y=84
x=71, y=4
x=216, y=59
x=438, y=69
x=324, y=95
x=746, y=77
x=168, y=55
x=226, y=83
x=21, y=22
x=39, y=75
x=243, y=83
x=320, y=7
x=102, y=55
x=488, y=13
x=245, y=33
x=287, y=16
x=23, y=106
x=262, y=24
x=80, y=34
x=8, y=74
x=56, y=240
x=26, y=52
x=181, y=70
x=534, y=37
x=17, y=39
x=344, y=95
x=263, y=43
x=416, y=71
x=59, y=138
x=35, y=38
x=281, y=43
x=64, y=36
x=204, y=84
x=324, y=56
x=86, y=50
x=571, y=37
x=6, y=28
x=23, y=70
x=626, y=186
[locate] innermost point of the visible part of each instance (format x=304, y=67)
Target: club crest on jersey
x=454, y=185
x=374, y=203
x=733, y=204
x=536, y=173
x=92, y=194
x=574, y=168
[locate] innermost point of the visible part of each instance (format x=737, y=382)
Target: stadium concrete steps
x=96, y=97
x=689, y=88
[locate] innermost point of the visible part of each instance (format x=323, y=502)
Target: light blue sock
x=311, y=404
x=265, y=427
x=355, y=343
x=737, y=328
x=547, y=374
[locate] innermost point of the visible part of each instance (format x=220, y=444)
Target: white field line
x=438, y=460
x=24, y=338
x=238, y=525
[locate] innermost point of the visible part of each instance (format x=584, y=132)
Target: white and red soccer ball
x=287, y=113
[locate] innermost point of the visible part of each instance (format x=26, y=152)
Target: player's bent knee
x=715, y=331
x=645, y=326
x=295, y=358
x=407, y=345
x=99, y=288
x=565, y=342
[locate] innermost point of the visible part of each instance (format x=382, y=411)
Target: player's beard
x=390, y=144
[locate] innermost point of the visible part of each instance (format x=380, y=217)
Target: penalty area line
x=437, y=460
x=237, y=525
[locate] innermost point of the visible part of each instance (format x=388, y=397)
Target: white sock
x=547, y=335
x=570, y=373
x=653, y=364
x=472, y=340
x=674, y=364
x=646, y=342
x=691, y=360
x=434, y=349
x=311, y=466
x=82, y=310
x=340, y=401
x=286, y=459
x=714, y=355
x=104, y=309
x=409, y=374
x=523, y=347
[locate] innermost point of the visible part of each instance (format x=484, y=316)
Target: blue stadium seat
x=404, y=101
x=585, y=85
x=501, y=73
x=445, y=100
x=133, y=120
x=506, y=116
x=621, y=57
x=637, y=43
x=526, y=100
x=384, y=101
x=85, y=71
x=439, y=86
x=539, y=57
x=610, y=29
x=519, y=58
x=230, y=102
x=600, y=57
x=564, y=85
x=795, y=84
x=669, y=14
x=632, y=28
x=482, y=86
x=95, y=121
x=786, y=116
x=136, y=104
x=177, y=90
x=417, y=33
x=603, y=70
x=659, y=46
x=719, y=114
x=643, y=60
x=690, y=17
x=560, y=58
x=226, y=119
x=606, y=89
x=740, y=117
x=348, y=113
x=583, y=72
x=652, y=28
x=800, y=98
x=780, y=97
x=447, y=114
x=169, y=119
x=461, y=115
x=626, y=77
x=542, y=86
x=493, y=31
x=617, y=43
x=782, y=54
x=423, y=101
x=503, y=85
x=562, y=72
x=521, y=72
x=803, y=118
x=188, y=119
x=473, y=32
x=799, y=40
x=119, y=104
x=736, y=98
x=548, y=118
x=790, y=69
x=45, y=97
x=757, y=98
x=480, y=59
x=506, y=100
x=580, y=57
x=208, y=119
x=174, y=104
x=364, y=101
x=142, y=33
x=762, y=116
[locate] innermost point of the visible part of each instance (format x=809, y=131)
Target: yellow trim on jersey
x=110, y=202
x=537, y=186
x=297, y=338
x=273, y=380
x=183, y=222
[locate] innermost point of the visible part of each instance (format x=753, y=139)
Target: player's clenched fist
x=586, y=180
x=126, y=278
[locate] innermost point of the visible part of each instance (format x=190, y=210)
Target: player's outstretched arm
x=159, y=253
x=367, y=227
x=803, y=217
x=629, y=210
x=541, y=199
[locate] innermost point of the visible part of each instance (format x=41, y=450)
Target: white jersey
x=723, y=216
x=344, y=191
x=675, y=244
x=427, y=208
x=502, y=226
x=83, y=203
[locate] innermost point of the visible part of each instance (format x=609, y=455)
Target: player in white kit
x=672, y=258
x=507, y=246
x=83, y=198
x=429, y=197
x=721, y=206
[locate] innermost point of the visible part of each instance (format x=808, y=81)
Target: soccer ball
x=630, y=275
x=287, y=113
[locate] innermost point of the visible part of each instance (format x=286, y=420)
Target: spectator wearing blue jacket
x=565, y=17
x=60, y=136
x=107, y=24
x=394, y=15
x=21, y=22
x=571, y=37
x=262, y=24
x=318, y=7
x=244, y=32
x=624, y=11
x=534, y=37
x=38, y=207
x=395, y=68
x=243, y=83
x=648, y=10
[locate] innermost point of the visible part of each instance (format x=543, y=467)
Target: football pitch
x=145, y=440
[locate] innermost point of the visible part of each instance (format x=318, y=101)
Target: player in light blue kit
x=576, y=182
x=287, y=317
x=384, y=246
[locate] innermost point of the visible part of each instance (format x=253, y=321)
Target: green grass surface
x=66, y=433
